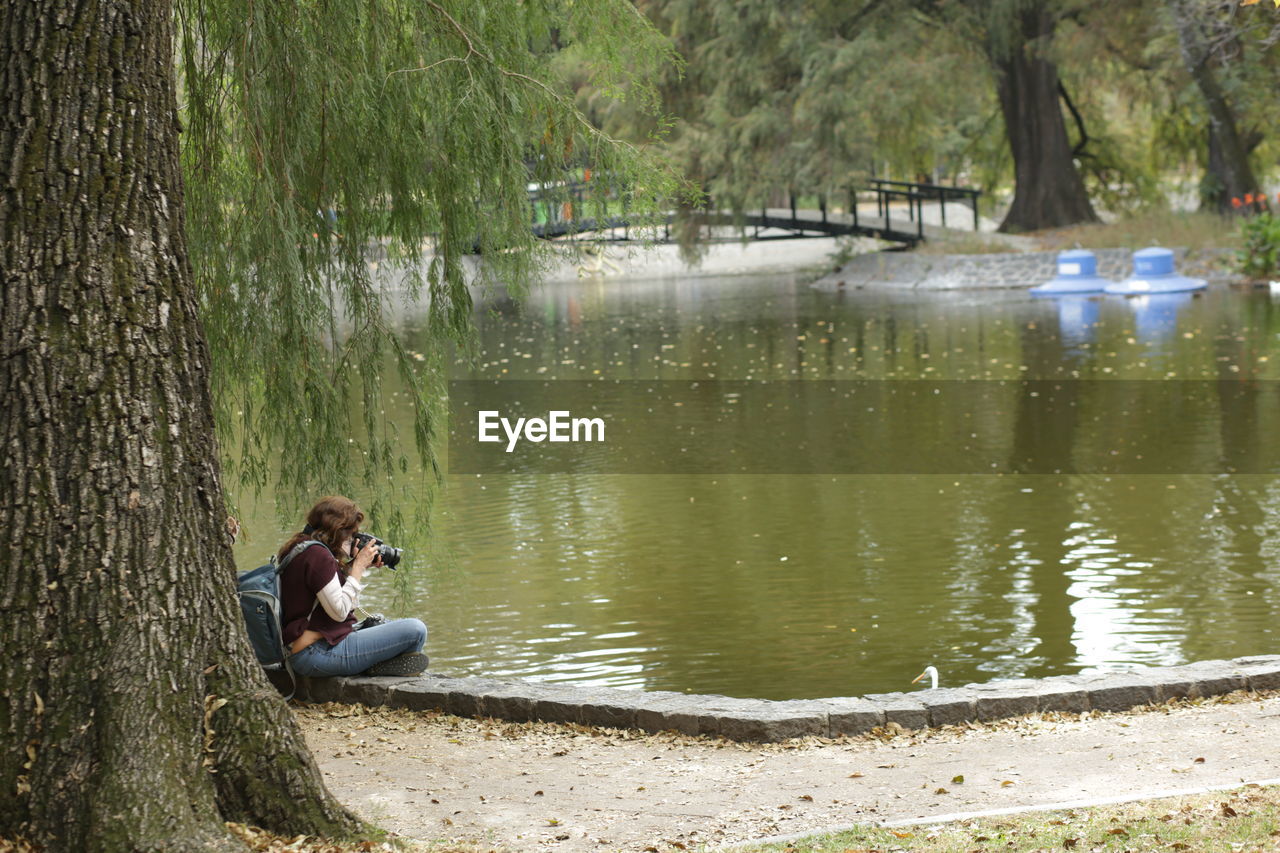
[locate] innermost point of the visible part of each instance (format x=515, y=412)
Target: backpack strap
x=293, y=552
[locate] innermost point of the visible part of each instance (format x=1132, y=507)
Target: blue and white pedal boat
x=1077, y=273
x=1153, y=272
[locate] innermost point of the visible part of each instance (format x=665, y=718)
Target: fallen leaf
x=1198, y=761
x=1227, y=811
x=1117, y=831
x=855, y=775
x=902, y=834
x=806, y=798
x=1006, y=783
x=942, y=791
x=1070, y=842
x=957, y=780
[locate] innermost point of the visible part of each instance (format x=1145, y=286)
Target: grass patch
x=1155, y=228
x=1237, y=821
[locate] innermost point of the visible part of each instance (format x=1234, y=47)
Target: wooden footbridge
x=899, y=216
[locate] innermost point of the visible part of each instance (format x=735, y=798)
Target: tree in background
x=1016, y=39
x=812, y=97
x=321, y=138
x=1143, y=71
x=1212, y=44
x=808, y=98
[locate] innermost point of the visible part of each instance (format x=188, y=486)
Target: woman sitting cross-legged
x=319, y=590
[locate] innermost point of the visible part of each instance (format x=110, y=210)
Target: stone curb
x=765, y=721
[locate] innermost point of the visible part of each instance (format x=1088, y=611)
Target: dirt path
x=548, y=787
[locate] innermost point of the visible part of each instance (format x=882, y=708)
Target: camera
x=390, y=556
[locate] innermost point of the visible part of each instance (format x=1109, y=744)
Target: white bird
x=930, y=671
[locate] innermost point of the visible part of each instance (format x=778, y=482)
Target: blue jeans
x=360, y=650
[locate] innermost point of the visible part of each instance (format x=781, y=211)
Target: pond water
x=796, y=586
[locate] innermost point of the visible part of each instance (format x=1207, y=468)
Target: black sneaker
x=409, y=663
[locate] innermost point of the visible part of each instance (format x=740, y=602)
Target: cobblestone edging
x=762, y=720
x=906, y=270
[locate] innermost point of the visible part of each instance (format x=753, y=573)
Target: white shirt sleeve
x=339, y=599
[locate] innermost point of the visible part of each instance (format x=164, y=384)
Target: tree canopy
x=814, y=96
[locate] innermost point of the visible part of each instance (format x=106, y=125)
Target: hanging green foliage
x=347, y=158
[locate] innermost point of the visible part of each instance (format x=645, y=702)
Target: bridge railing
x=552, y=208
x=916, y=193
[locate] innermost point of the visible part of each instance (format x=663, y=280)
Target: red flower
x=1235, y=202
x=1248, y=198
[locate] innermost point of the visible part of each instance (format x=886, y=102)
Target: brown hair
x=331, y=521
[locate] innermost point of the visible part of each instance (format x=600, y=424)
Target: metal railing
x=563, y=206
x=917, y=193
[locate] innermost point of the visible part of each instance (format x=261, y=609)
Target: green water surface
x=796, y=586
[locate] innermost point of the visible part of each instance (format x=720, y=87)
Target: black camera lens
x=390, y=556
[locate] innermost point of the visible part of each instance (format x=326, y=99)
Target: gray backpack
x=259, y=592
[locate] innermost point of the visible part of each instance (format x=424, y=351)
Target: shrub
x=1260, y=257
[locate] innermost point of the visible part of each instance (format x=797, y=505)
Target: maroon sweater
x=304, y=576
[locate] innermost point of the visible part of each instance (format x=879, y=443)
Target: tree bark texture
x=132, y=713
x=1048, y=189
x=1229, y=174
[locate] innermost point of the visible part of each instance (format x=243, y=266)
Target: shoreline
x=770, y=721
x=814, y=260
x=1003, y=271
x=636, y=262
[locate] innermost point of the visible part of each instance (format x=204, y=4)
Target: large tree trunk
x=1048, y=190
x=1229, y=174
x=132, y=713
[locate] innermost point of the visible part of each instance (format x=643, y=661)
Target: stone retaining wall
x=762, y=720
x=909, y=270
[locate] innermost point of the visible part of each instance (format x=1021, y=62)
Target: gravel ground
x=539, y=786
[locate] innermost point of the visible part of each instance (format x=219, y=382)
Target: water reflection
x=1077, y=320
x=800, y=586
x=1156, y=316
